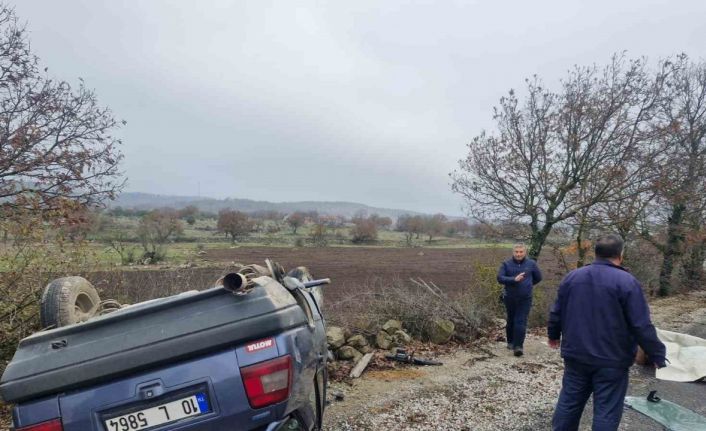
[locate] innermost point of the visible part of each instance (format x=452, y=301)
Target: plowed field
x=355, y=268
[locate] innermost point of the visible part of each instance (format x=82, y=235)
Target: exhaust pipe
x=234, y=281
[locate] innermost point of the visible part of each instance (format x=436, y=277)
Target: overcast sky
x=364, y=101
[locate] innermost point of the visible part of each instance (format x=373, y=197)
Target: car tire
x=67, y=301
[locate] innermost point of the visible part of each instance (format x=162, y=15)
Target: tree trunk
x=623, y=232
x=580, y=250
x=672, y=249
x=537, y=240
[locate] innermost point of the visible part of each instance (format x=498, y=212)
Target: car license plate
x=172, y=411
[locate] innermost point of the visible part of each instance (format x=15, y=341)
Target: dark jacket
x=601, y=316
x=511, y=268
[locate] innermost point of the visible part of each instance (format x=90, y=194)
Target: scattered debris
x=361, y=365
x=670, y=415
x=401, y=355
x=484, y=355
x=686, y=357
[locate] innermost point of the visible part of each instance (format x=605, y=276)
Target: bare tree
x=535, y=167
x=382, y=222
x=234, y=223
x=119, y=242
x=55, y=140
x=410, y=225
x=318, y=233
x=364, y=230
x=155, y=229
x=681, y=185
x=455, y=227
x=296, y=220
x=434, y=226
x=189, y=214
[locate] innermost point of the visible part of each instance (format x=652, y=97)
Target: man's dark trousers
x=518, y=308
x=608, y=386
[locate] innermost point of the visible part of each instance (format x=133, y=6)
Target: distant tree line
x=238, y=225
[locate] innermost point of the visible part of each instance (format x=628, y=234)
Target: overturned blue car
x=248, y=354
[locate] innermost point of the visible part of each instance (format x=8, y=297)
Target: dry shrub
x=32, y=255
x=486, y=291
x=364, y=230
x=375, y=301
x=133, y=286
x=318, y=234
x=415, y=304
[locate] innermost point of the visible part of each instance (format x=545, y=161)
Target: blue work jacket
x=601, y=315
x=511, y=268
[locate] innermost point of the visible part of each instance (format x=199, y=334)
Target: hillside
x=151, y=201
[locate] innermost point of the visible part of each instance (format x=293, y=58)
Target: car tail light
x=268, y=382
x=52, y=425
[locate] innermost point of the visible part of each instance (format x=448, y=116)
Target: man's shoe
x=509, y=346
x=518, y=351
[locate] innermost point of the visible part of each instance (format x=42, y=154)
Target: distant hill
x=147, y=201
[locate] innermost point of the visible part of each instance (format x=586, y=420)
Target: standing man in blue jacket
x=518, y=274
x=599, y=318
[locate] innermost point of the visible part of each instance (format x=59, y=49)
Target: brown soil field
x=354, y=271
x=352, y=268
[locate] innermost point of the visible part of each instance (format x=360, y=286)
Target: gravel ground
x=486, y=388
x=489, y=389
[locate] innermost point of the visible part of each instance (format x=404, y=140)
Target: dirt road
x=490, y=389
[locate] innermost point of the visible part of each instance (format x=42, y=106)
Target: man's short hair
x=609, y=246
x=519, y=245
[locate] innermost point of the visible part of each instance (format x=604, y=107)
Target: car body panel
x=214, y=369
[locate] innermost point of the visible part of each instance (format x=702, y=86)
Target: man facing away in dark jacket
x=518, y=274
x=600, y=316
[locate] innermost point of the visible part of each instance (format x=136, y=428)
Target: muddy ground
x=486, y=388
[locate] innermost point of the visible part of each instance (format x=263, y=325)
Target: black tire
x=67, y=301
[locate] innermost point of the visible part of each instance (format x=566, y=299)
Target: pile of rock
x=348, y=347
x=440, y=331
x=392, y=335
